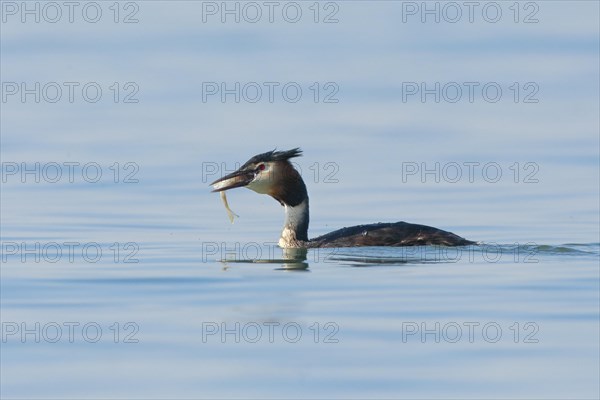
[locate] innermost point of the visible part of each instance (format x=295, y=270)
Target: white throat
x=296, y=220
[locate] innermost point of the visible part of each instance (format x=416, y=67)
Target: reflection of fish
x=230, y=213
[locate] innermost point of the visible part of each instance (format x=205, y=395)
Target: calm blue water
x=121, y=276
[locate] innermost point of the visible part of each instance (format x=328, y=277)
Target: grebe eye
x=261, y=167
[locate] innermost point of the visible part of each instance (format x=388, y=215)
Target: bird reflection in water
x=293, y=259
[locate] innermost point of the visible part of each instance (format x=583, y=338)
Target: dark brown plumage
x=389, y=234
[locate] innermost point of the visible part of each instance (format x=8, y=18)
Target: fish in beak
x=240, y=178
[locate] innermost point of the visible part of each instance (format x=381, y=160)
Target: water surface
x=133, y=284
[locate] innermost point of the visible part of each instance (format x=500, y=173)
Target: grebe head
x=268, y=173
x=272, y=173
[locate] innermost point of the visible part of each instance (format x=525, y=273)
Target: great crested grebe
x=271, y=173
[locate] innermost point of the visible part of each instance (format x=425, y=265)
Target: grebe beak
x=239, y=178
